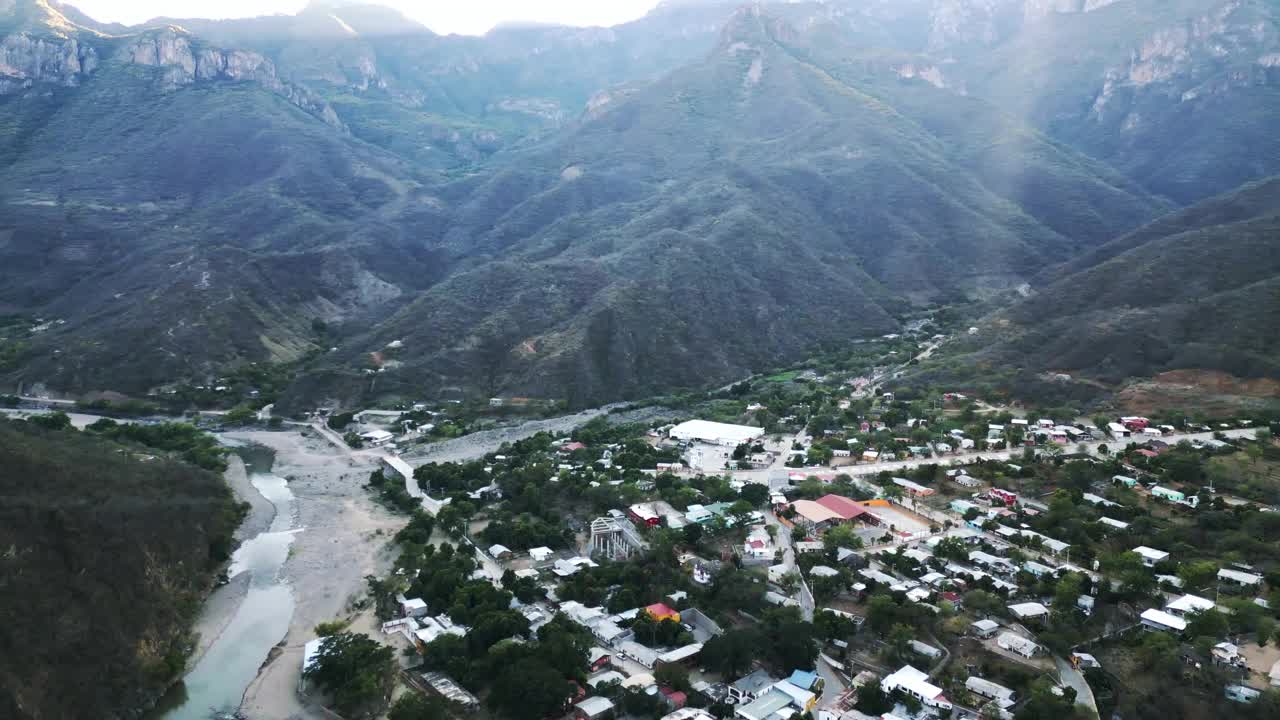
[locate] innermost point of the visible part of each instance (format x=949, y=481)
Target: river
x=215, y=685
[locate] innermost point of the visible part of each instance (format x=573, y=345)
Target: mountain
x=108, y=557
x=1196, y=291
x=516, y=209
x=755, y=185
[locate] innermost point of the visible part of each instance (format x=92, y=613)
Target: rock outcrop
x=186, y=60
x=26, y=59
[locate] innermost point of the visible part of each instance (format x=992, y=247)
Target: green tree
x=841, y=536
x=899, y=641
x=732, y=653
x=530, y=690
x=357, y=672
x=1197, y=574
x=692, y=533
x=416, y=706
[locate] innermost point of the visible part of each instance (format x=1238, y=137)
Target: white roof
x=540, y=553
x=1028, y=609
x=1190, y=603
x=496, y=550
x=989, y=689
x=986, y=624
x=912, y=680
x=596, y=705
x=1239, y=576
x=715, y=432
x=376, y=435
x=1164, y=619
x=414, y=603
x=1117, y=524
x=1151, y=553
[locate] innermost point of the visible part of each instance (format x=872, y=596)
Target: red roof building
x=660, y=611
x=844, y=507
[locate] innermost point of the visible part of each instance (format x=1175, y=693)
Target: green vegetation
x=185, y=441
x=93, y=531
x=356, y=672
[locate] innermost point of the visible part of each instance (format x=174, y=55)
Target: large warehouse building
x=715, y=433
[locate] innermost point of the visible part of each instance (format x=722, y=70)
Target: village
x=932, y=558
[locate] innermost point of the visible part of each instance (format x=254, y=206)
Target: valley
x=744, y=360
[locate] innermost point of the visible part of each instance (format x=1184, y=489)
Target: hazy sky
x=443, y=16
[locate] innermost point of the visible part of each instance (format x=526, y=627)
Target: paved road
x=776, y=478
x=1071, y=677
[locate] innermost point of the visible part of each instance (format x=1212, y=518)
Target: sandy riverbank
x=345, y=536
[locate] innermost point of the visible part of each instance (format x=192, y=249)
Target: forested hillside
x=107, y=554
x=1198, y=289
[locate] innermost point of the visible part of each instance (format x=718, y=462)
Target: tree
x=240, y=415
x=692, y=533
x=1067, y=592
x=1208, y=623
x=841, y=536
x=57, y=420
x=1197, y=574
x=1158, y=651
x=531, y=690
x=732, y=653
x=416, y=706
x=356, y=671
x=755, y=493
x=873, y=700
x=899, y=641
x=674, y=676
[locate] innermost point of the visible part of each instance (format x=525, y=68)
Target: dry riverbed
x=344, y=537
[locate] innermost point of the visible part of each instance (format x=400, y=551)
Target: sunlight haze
x=470, y=18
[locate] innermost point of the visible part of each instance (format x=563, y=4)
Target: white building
x=1238, y=577
x=1161, y=620
x=916, y=684
x=1029, y=611
x=1151, y=556
x=1018, y=644
x=1189, y=605
x=715, y=433
x=1003, y=696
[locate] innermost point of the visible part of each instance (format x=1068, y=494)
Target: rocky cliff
x=186, y=60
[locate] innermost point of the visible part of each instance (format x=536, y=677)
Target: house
x=1038, y=570
x=599, y=658
x=747, y=688
x=870, y=456
x=805, y=546
x=815, y=517
x=1150, y=556
x=757, y=548
x=593, y=708
x=1008, y=498
x=984, y=628
x=675, y=699
x=925, y=650
x=806, y=680
x=450, y=690
x=1226, y=653
x=1241, y=693
x=992, y=562
x=661, y=611
x=714, y=433
x=1113, y=523
x=781, y=700
x=540, y=554
x=1124, y=480
x=913, y=488
x=688, y=713
x=1084, y=660
x=414, y=608
x=499, y=552
x=604, y=678
x=1003, y=696
x=823, y=571
x=1018, y=644
x=916, y=684
x=1154, y=619
x=644, y=515
x=376, y=437
x=1086, y=603
x=680, y=655
x=1168, y=494
x=1029, y=611
x=1239, y=578
x=846, y=508
x=1118, y=431
x=1099, y=501
x=1189, y=605
x=698, y=514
